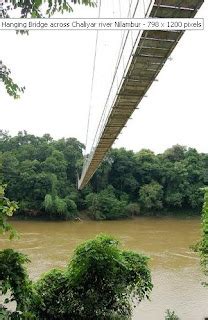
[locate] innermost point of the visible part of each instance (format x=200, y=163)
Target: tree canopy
x=41, y=175
x=100, y=282
x=41, y=8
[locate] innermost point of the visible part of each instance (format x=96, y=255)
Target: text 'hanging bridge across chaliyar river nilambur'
x=149, y=51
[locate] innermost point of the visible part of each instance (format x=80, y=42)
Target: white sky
x=56, y=68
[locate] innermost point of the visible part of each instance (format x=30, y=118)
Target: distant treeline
x=41, y=175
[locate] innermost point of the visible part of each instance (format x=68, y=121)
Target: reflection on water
x=175, y=268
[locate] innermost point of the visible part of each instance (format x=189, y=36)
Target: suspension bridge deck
x=152, y=51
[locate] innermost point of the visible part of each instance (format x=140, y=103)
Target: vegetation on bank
x=7, y=208
x=100, y=282
x=41, y=174
x=202, y=246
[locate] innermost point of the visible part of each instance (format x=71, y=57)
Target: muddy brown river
x=175, y=268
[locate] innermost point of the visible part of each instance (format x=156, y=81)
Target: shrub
x=99, y=283
x=48, y=203
x=58, y=207
x=170, y=315
x=150, y=196
x=105, y=205
x=7, y=208
x=132, y=209
x=71, y=208
x=14, y=280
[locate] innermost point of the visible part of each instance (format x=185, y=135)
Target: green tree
x=15, y=283
x=7, y=208
x=71, y=207
x=176, y=153
x=148, y=167
x=175, y=182
x=132, y=209
x=33, y=167
x=72, y=151
x=48, y=203
x=60, y=208
x=99, y=283
x=122, y=174
x=101, y=178
x=150, y=196
x=105, y=205
x=203, y=245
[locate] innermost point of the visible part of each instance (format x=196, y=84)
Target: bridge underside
x=152, y=52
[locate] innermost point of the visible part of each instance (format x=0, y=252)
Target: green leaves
x=11, y=87
x=43, y=8
x=203, y=246
x=7, y=208
x=99, y=283
x=60, y=208
x=170, y=315
x=150, y=196
x=126, y=184
x=105, y=205
x=14, y=279
x=41, y=174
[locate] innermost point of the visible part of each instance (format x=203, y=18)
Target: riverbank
x=85, y=215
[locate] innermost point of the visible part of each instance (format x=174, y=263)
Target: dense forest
x=41, y=175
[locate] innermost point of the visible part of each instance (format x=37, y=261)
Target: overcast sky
x=56, y=68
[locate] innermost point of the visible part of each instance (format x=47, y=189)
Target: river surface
x=175, y=268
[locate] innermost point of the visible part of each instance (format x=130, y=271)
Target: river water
x=175, y=268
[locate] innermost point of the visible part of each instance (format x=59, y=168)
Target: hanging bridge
x=148, y=53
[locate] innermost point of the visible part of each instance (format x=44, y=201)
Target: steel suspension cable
x=92, y=82
x=123, y=43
